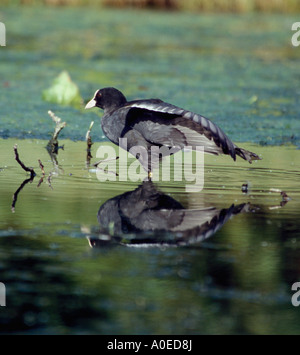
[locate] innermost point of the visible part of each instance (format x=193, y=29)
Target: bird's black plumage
x=153, y=122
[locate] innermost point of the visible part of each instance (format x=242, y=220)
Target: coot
x=153, y=122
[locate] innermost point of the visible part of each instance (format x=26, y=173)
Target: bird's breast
x=112, y=127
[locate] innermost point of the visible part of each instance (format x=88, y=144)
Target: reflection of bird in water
x=154, y=123
x=146, y=217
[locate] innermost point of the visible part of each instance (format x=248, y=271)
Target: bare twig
x=89, y=131
x=52, y=145
x=58, y=124
x=89, y=144
x=42, y=167
x=32, y=172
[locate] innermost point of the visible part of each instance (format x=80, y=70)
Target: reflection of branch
x=32, y=173
x=43, y=172
x=104, y=161
x=41, y=180
x=285, y=199
x=49, y=180
x=15, y=196
x=52, y=146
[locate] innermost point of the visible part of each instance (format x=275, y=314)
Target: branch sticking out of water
x=53, y=142
x=89, y=144
x=42, y=167
x=88, y=137
x=58, y=124
x=32, y=172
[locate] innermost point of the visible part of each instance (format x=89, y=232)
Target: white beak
x=90, y=104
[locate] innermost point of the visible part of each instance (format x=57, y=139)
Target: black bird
x=153, y=122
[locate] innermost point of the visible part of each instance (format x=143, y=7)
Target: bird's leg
x=150, y=174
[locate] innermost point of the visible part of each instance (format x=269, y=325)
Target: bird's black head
x=107, y=99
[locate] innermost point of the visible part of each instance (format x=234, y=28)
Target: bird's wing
x=165, y=124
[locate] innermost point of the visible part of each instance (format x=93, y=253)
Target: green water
x=75, y=253
x=66, y=273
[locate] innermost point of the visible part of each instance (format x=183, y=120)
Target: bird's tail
x=245, y=154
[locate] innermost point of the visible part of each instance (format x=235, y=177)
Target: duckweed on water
x=210, y=64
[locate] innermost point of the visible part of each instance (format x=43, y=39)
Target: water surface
x=228, y=269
